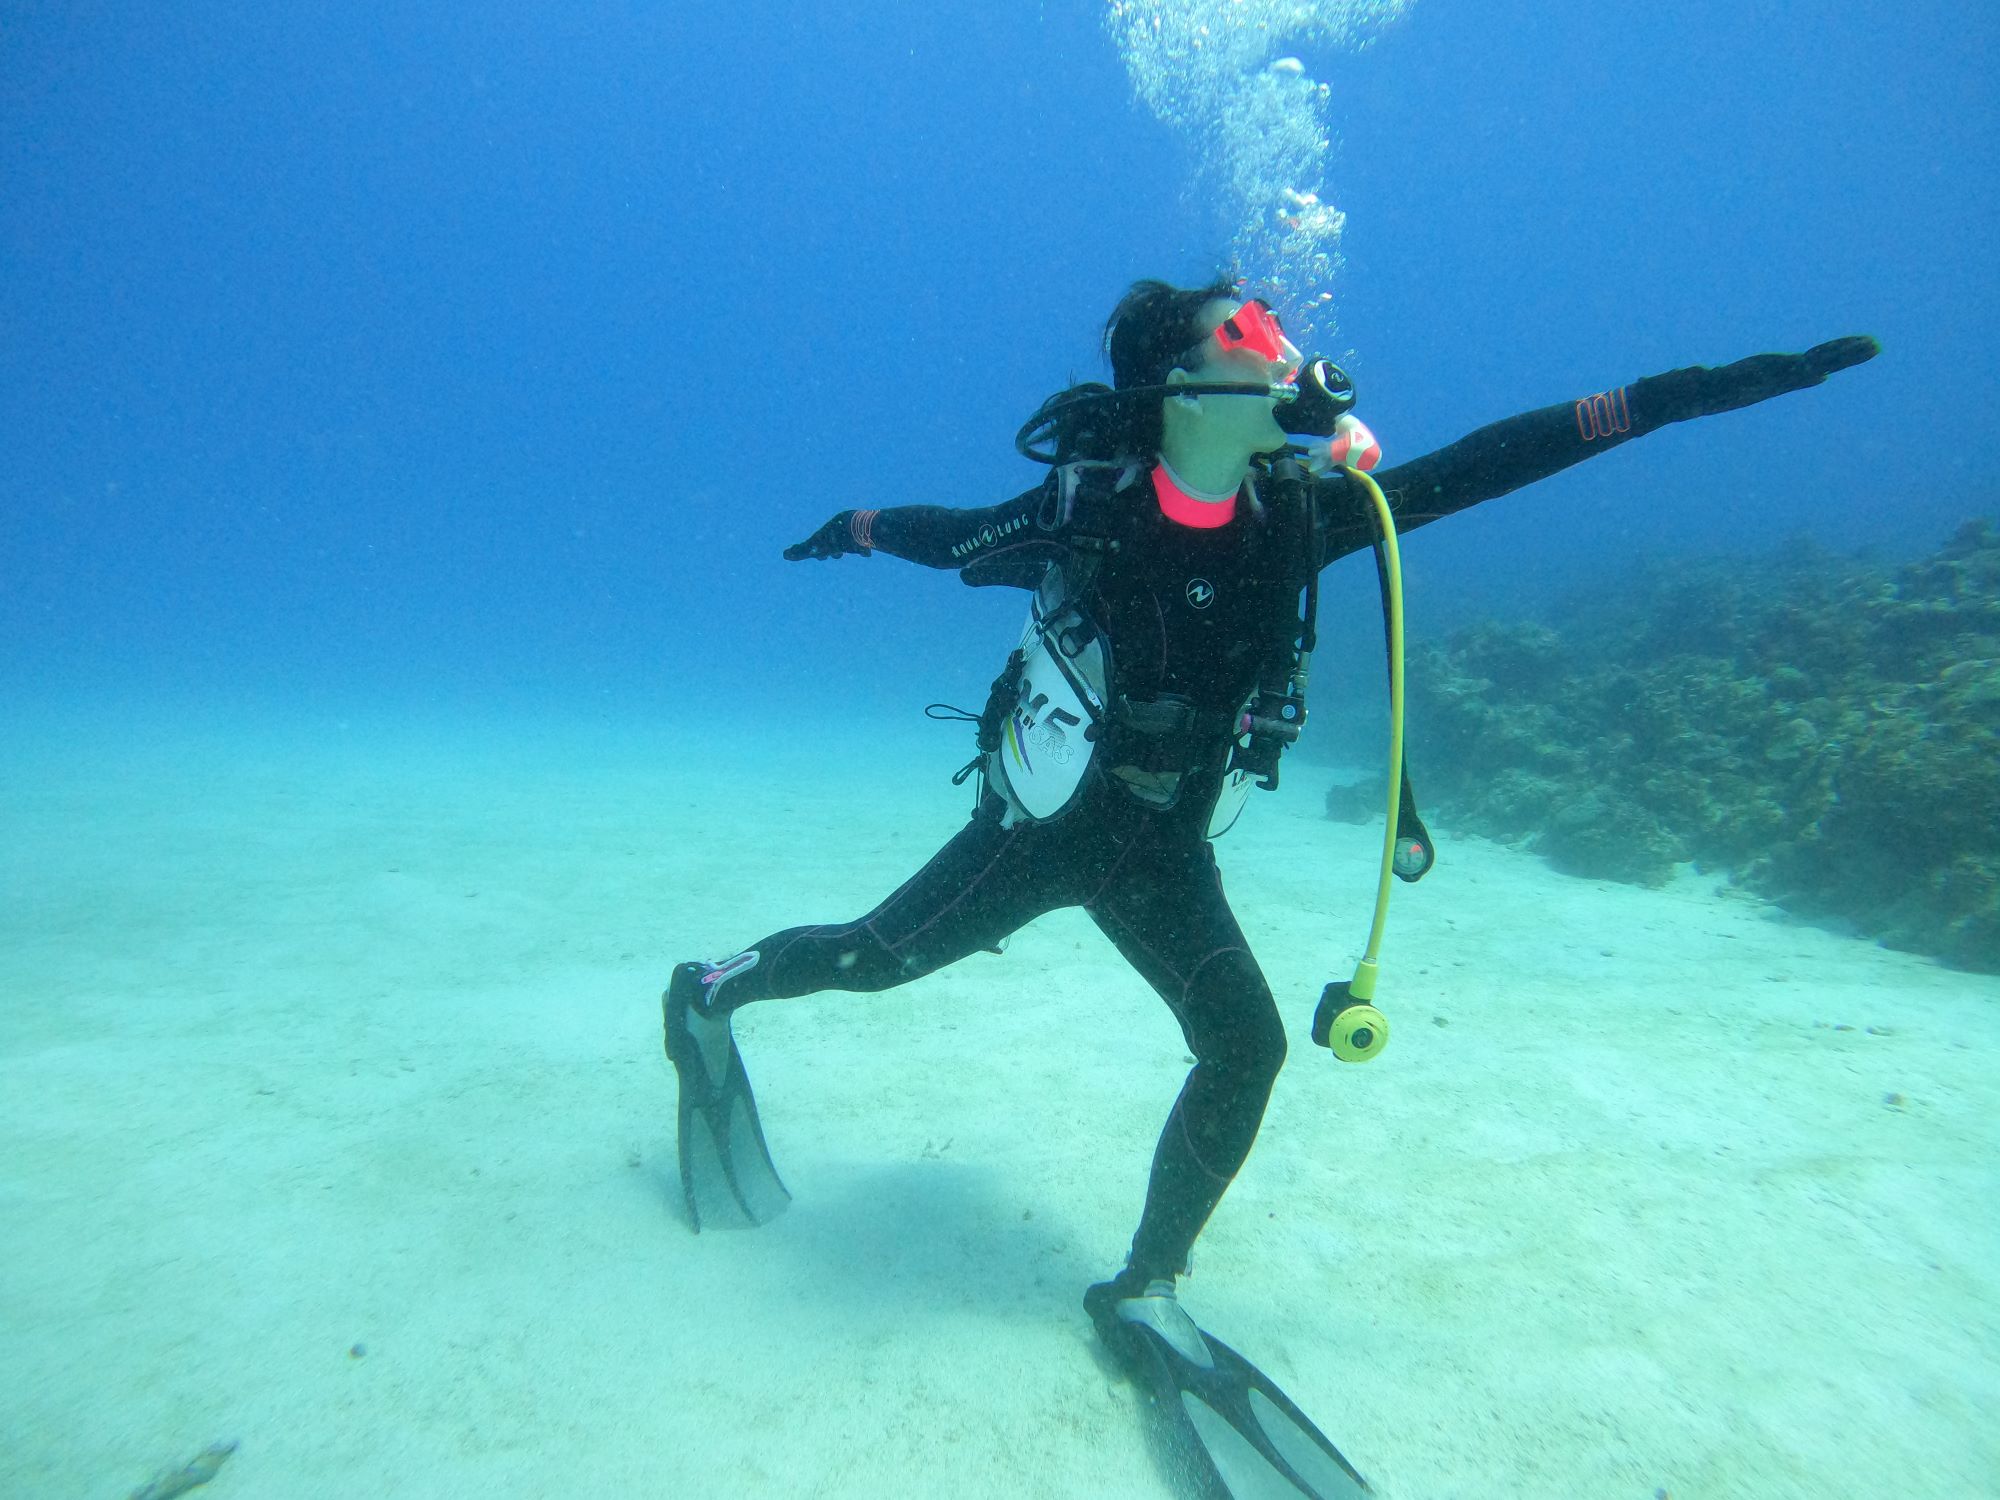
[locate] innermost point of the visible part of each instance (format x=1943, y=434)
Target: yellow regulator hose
x=1346, y=1022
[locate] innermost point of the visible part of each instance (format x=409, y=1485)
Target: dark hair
x=1152, y=326
x=1148, y=332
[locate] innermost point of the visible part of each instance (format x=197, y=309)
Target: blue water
x=361, y=351
x=392, y=398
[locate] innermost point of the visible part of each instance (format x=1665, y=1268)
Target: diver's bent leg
x=1171, y=921
x=1214, y=1121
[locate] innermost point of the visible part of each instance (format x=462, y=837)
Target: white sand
x=308, y=1046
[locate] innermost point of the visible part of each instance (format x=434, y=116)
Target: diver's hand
x=1838, y=354
x=834, y=539
x=1701, y=392
x=1763, y=376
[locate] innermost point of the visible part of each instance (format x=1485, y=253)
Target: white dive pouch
x=1057, y=719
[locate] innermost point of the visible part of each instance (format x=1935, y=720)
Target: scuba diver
x=1189, y=509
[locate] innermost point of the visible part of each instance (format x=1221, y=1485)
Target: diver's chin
x=1275, y=440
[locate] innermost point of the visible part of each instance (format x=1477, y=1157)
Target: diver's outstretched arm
x=937, y=536
x=1520, y=450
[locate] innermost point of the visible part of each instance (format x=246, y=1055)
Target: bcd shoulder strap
x=1091, y=503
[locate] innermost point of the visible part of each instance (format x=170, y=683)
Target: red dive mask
x=1254, y=327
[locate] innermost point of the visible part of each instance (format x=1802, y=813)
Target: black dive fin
x=726, y=1168
x=1236, y=1435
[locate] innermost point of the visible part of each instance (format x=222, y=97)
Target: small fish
x=1289, y=65
x=197, y=1471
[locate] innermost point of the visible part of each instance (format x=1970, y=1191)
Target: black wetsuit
x=1146, y=874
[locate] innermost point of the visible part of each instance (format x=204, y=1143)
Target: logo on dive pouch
x=1038, y=725
x=1200, y=593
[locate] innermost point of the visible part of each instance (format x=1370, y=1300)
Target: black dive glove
x=834, y=539
x=1702, y=392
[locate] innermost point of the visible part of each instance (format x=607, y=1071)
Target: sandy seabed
x=336, y=1123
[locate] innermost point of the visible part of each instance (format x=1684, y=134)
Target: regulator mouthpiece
x=1325, y=395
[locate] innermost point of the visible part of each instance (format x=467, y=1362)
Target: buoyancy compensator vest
x=1059, y=719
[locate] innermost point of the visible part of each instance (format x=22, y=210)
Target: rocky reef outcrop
x=1826, y=729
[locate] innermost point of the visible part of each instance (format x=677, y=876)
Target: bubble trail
x=1226, y=74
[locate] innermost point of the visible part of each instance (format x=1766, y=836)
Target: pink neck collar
x=1179, y=504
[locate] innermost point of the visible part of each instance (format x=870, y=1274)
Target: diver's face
x=1246, y=345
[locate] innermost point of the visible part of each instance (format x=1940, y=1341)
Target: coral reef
x=1825, y=729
